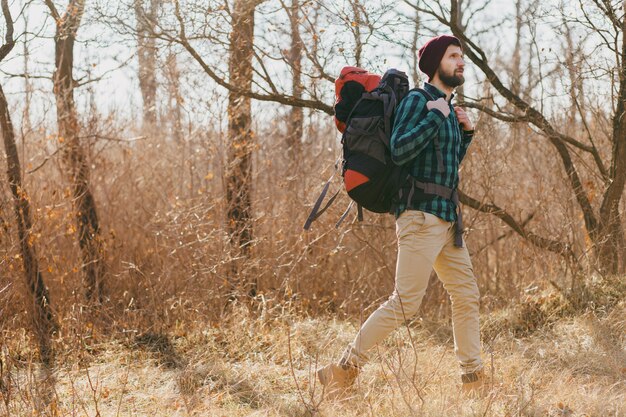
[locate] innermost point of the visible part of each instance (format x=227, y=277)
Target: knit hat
x=431, y=53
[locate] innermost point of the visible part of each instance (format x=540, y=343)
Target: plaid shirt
x=412, y=143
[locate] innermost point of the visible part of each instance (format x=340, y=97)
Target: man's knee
x=465, y=295
x=406, y=306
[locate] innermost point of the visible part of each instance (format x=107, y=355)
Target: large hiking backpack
x=371, y=178
x=365, y=118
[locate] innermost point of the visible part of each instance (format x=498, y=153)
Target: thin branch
x=80, y=83
x=595, y=153
x=505, y=117
x=503, y=235
x=45, y=160
x=607, y=9
x=29, y=76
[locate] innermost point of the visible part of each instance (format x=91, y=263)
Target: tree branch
x=595, y=153
x=504, y=235
x=505, y=117
x=555, y=246
x=277, y=98
x=10, y=42
x=53, y=10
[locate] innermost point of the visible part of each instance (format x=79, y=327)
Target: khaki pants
x=425, y=242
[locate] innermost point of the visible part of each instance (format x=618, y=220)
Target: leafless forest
x=160, y=159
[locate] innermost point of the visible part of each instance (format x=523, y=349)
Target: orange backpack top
x=349, y=88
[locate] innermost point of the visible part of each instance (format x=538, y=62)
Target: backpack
x=365, y=118
x=371, y=178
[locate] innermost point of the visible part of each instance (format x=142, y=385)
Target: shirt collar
x=435, y=92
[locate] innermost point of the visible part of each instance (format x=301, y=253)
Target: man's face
x=451, y=68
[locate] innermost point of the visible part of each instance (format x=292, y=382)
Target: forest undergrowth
x=544, y=356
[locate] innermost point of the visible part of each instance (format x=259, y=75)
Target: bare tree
x=174, y=97
x=239, y=170
x=28, y=87
x=43, y=318
x=147, y=57
x=603, y=225
x=296, y=119
x=89, y=237
x=414, y=65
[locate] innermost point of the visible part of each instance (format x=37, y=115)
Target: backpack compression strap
x=359, y=214
x=316, y=211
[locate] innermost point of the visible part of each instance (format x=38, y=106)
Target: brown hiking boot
x=474, y=384
x=337, y=378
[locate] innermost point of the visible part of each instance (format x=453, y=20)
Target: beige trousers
x=425, y=242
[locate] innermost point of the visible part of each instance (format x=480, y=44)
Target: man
x=431, y=136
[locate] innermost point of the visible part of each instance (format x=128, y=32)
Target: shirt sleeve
x=414, y=127
x=468, y=135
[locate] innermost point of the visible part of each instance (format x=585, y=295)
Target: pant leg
x=454, y=269
x=420, y=238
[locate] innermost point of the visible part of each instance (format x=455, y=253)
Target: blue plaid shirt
x=414, y=129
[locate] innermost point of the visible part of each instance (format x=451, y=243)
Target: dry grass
x=246, y=367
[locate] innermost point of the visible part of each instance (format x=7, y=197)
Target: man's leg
x=454, y=269
x=420, y=238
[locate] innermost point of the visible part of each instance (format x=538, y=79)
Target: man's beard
x=451, y=80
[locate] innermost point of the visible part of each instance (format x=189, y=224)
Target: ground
x=265, y=366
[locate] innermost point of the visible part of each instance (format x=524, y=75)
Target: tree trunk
x=88, y=226
x=296, y=119
x=611, y=243
x=147, y=57
x=174, y=95
x=417, y=25
x=458, y=18
x=239, y=169
x=43, y=318
x=355, y=27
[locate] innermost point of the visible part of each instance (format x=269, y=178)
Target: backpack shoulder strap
x=429, y=97
x=423, y=92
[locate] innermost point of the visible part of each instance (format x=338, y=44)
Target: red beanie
x=431, y=53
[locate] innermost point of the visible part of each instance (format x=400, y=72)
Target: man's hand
x=440, y=104
x=464, y=120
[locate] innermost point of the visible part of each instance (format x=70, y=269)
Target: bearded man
x=431, y=136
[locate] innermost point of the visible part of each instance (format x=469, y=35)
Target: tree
x=603, y=224
x=88, y=225
x=147, y=57
x=294, y=59
x=241, y=138
x=43, y=318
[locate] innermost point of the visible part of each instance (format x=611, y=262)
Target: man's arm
x=465, y=143
x=467, y=127
x=415, y=126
